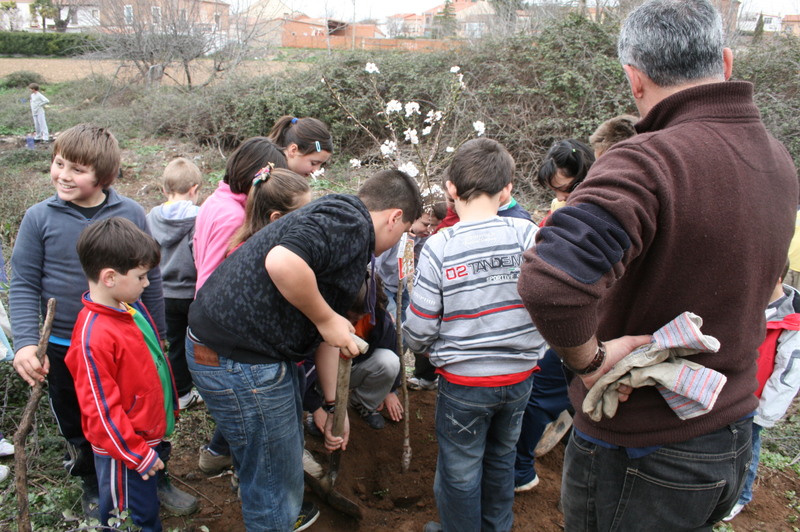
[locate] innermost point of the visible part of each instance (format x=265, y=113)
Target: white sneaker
x=190, y=399
x=415, y=383
x=6, y=447
x=529, y=486
x=737, y=509
x=4, y=471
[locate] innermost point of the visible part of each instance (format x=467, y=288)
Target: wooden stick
x=405, y=460
x=26, y=425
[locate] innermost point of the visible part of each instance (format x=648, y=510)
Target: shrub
x=20, y=79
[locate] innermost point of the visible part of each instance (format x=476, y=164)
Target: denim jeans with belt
x=257, y=408
x=477, y=429
x=682, y=486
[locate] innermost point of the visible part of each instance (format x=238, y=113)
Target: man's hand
x=616, y=350
x=332, y=442
x=27, y=365
x=158, y=466
x=393, y=407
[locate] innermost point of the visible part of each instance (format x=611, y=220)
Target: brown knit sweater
x=693, y=214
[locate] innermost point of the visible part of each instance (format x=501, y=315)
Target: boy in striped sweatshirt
x=465, y=310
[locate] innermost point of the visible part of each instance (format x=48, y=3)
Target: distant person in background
x=38, y=101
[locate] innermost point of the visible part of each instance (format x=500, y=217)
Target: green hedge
x=48, y=44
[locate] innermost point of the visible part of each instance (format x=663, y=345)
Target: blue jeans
x=257, y=408
x=477, y=429
x=548, y=399
x=752, y=471
x=682, y=486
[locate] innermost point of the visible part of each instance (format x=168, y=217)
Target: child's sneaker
x=212, y=463
x=737, y=509
x=6, y=447
x=4, y=471
x=418, y=383
x=190, y=399
x=308, y=514
x=373, y=418
x=529, y=486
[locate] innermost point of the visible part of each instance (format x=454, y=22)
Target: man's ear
x=727, y=60
x=635, y=80
x=108, y=277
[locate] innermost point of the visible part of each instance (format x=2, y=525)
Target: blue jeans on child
x=257, y=407
x=747, y=491
x=477, y=429
x=681, y=486
x=548, y=399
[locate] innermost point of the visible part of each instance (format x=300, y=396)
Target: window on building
x=95, y=13
x=182, y=15
x=217, y=19
x=155, y=13
x=128, y=12
x=73, y=19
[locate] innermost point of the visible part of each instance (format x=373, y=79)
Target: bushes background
x=528, y=90
x=47, y=44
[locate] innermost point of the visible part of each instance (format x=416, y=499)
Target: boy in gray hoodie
x=172, y=225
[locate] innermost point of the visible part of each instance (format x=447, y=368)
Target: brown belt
x=205, y=356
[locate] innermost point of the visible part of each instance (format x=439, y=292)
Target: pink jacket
x=219, y=218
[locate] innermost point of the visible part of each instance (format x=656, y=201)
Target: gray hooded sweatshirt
x=172, y=225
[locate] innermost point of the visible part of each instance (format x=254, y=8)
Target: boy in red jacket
x=124, y=383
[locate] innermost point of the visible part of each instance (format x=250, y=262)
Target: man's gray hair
x=673, y=41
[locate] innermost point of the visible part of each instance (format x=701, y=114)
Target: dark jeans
x=477, y=429
x=548, y=399
x=218, y=443
x=176, y=313
x=65, y=407
x=682, y=486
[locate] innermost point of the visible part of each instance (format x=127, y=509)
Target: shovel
x=323, y=487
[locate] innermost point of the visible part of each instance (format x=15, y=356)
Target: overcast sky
x=379, y=9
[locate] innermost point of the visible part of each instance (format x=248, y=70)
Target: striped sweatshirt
x=465, y=309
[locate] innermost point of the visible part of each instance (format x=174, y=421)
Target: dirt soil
x=370, y=474
x=370, y=471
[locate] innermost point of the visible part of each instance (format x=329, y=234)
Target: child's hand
x=332, y=442
x=393, y=406
x=27, y=365
x=336, y=332
x=158, y=466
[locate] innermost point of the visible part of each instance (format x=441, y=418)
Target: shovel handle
x=342, y=395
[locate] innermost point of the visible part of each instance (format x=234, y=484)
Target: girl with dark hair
x=565, y=166
x=306, y=143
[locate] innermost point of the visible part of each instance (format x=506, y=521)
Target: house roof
x=791, y=18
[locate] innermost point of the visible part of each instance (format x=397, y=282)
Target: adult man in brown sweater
x=694, y=213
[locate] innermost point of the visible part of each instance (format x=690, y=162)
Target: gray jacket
x=172, y=225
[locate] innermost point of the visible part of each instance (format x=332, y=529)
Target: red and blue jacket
x=117, y=383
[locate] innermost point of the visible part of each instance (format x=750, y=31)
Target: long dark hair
x=572, y=157
x=309, y=134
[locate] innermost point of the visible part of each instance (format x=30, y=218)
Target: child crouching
x=124, y=383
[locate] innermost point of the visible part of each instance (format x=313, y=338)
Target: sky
x=380, y=9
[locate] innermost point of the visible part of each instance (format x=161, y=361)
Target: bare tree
x=159, y=35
